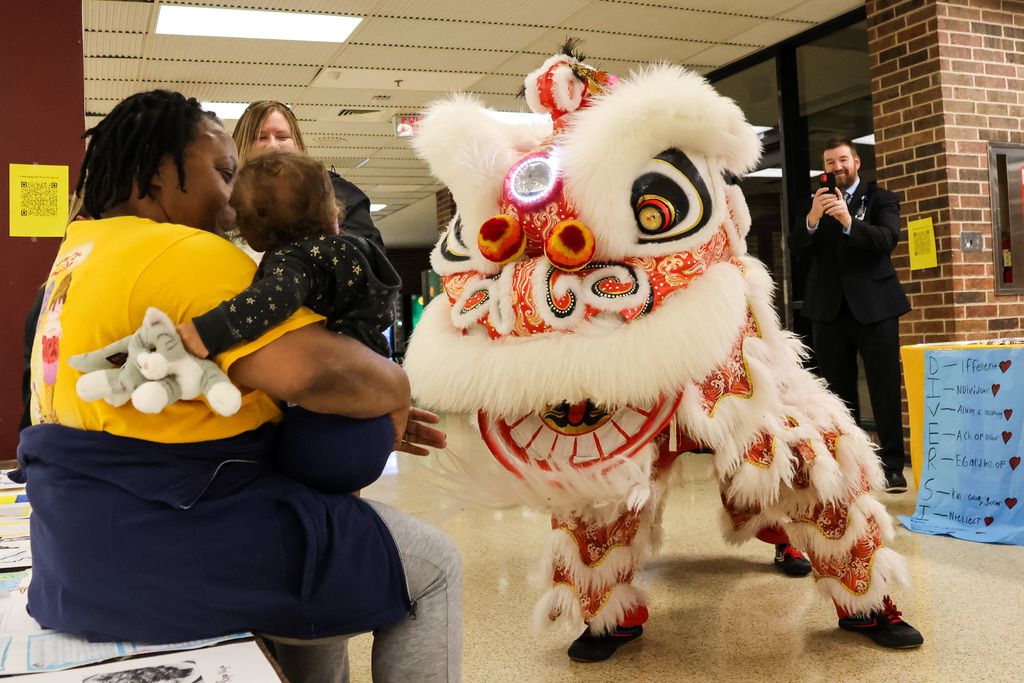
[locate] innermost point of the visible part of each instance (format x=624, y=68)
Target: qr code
x=921, y=242
x=39, y=198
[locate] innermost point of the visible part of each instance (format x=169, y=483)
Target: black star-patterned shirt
x=345, y=278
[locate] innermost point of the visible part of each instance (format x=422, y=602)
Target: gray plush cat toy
x=156, y=372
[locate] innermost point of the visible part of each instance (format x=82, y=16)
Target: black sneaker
x=791, y=561
x=588, y=648
x=885, y=627
x=895, y=482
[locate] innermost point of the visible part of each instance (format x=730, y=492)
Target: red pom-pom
x=570, y=245
x=501, y=239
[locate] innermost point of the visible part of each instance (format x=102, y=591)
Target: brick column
x=445, y=209
x=947, y=78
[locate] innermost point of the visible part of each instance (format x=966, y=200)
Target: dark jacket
x=357, y=219
x=855, y=267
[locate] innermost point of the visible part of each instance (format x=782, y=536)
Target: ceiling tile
x=385, y=80
x=426, y=58
x=99, y=44
x=226, y=72
x=117, y=69
x=818, y=11
x=241, y=51
x=132, y=17
x=349, y=7
x=520, y=12
x=768, y=32
x=423, y=32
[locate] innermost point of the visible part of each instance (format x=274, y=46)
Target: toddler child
x=285, y=207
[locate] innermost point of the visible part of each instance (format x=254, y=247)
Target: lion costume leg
x=843, y=533
x=591, y=562
x=592, y=571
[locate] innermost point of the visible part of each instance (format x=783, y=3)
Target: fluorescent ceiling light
x=866, y=140
x=241, y=23
x=520, y=117
x=766, y=173
x=226, y=110
x=760, y=130
x=377, y=207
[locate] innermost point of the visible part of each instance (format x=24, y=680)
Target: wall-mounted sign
x=922, y=244
x=38, y=200
x=407, y=125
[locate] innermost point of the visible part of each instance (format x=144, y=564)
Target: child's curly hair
x=283, y=196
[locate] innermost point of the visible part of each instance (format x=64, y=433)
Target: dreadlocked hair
x=127, y=146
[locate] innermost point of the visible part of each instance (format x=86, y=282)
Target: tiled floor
x=718, y=612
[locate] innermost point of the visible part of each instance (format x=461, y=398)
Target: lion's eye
x=670, y=198
x=655, y=214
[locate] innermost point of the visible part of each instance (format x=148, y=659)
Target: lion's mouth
x=577, y=435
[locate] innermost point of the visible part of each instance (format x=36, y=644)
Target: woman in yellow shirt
x=170, y=527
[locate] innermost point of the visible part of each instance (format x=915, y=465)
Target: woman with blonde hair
x=269, y=125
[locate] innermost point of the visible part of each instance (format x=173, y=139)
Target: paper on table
x=13, y=526
x=15, y=553
x=13, y=496
x=228, y=663
x=25, y=647
x=15, y=509
x=13, y=604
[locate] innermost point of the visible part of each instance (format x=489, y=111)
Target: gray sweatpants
x=425, y=646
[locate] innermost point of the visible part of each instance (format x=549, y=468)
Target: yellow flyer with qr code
x=921, y=236
x=39, y=200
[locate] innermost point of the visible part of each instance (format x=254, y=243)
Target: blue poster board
x=972, y=482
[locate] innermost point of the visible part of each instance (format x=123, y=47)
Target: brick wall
x=410, y=263
x=445, y=209
x=947, y=78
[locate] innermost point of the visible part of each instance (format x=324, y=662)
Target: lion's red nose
x=569, y=245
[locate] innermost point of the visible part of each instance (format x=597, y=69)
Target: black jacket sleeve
x=357, y=219
x=280, y=288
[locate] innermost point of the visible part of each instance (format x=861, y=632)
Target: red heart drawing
x=1010, y=502
x=1007, y=413
x=995, y=389
x=1006, y=436
x=989, y=520
x=1005, y=365
x=1014, y=461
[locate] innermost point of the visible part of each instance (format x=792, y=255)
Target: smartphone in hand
x=828, y=180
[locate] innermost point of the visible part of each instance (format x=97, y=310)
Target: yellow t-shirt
x=107, y=273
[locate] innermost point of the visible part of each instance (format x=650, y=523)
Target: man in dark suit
x=853, y=296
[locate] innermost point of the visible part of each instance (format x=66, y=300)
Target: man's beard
x=844, y=180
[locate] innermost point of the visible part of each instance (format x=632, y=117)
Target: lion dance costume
x=601, y=317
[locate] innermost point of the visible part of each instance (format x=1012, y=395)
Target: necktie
x=848, y=197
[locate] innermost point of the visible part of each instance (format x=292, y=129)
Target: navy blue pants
x=331, y=453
